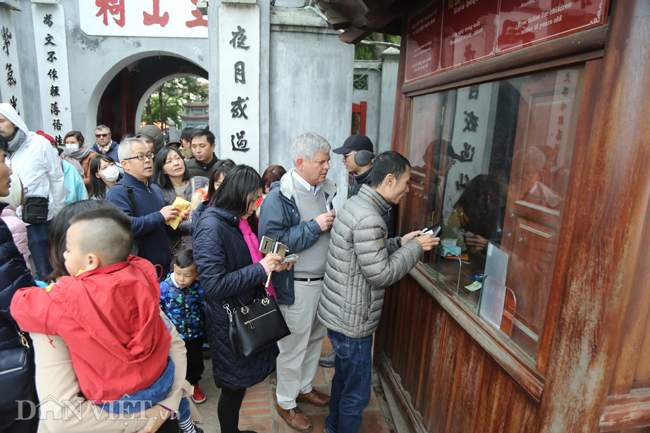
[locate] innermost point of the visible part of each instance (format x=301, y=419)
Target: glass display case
x=490, y=163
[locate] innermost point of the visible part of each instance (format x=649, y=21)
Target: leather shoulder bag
x=16, y=374
x=255, y=326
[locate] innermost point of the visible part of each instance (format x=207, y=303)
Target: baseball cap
x=355, y=142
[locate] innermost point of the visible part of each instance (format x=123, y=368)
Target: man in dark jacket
x=361, y=262
x=357, y=158
x=14, y=275
x=203, y=149
x=357, y=151
x=150, y=214
x=297, y=210
x=105, y=144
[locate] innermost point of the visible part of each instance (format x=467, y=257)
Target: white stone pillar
x=52, y=65
x=11, y=83
x=239, y=81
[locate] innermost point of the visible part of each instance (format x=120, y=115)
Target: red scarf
x=254, y=248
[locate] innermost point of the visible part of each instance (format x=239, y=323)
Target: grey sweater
x=361, y=262
x=312, y=259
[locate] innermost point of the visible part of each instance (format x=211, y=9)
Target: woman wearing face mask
x=78, y=154
x=103, y=175
x=174, y=179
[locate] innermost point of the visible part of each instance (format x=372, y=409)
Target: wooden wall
x=453, y=384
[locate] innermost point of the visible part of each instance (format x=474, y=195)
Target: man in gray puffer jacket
x=361, y=262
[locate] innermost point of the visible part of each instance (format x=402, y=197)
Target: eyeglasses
x=101, y=135
x=348, y=154
x=141, y=157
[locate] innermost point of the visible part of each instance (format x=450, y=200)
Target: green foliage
x=396, y=39
x=366, y=52
x=169, y=97
x=363, y=51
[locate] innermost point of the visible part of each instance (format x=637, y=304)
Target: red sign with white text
x=469, y=32
x=423, y=44
x=447, y=34
x=523, y=22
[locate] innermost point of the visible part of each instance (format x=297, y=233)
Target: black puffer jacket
x=13, y=276
x=226, y=270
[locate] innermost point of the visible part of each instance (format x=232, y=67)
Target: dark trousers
x=351, y=388
x=170, y=426
x=37, y=242
x=9, y=422
x=194, y=360
x=228, y=409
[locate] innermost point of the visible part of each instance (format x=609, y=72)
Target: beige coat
x=56, y=381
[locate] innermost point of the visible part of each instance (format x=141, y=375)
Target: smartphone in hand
x=432, y=230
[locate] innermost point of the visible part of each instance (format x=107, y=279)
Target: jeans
x=145, y=398
x=37, y=243
x=350, y=393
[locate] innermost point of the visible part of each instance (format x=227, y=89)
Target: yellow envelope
x=183, y=205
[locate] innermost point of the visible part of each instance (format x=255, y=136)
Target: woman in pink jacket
x=16, y=225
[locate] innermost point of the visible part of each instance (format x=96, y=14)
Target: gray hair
x=103, y=127
x=306, y=146
x=124, y=151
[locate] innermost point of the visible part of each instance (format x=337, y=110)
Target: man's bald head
x=105, y=232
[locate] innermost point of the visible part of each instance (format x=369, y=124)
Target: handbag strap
x=23, y=339
x=226, y=305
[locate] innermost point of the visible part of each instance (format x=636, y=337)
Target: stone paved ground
x=258, y=409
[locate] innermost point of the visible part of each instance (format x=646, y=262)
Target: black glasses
x=141, y=157
x=101, y=135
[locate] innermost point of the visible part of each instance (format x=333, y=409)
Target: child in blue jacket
x=181, y=299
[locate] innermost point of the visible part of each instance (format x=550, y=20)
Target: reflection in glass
x=491, y=164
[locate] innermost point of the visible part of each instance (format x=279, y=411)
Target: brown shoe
x=315, y=398
x=295, y=419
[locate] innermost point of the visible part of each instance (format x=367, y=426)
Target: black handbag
x=255, y=326
x=35, y=210
x=16, y=374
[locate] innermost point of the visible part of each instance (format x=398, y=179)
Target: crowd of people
x=141, y=249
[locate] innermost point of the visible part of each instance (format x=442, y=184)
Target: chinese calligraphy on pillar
x=150, y=18
x=52, y=65
x=239, y=82
x=10, y=85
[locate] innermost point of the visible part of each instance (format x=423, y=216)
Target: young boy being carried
x=107, y=312
x=181, y=299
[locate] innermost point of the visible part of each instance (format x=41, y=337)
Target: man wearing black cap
x=357, y=151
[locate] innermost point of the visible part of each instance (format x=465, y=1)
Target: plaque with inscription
x=423, y=42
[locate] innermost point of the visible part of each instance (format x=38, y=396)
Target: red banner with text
x=447, y=34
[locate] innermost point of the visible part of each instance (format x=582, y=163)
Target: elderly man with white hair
x=143, y=202
x=36, y=162
x=297, y=209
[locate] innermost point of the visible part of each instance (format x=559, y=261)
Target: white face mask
x=72, y=146
x=111, y=173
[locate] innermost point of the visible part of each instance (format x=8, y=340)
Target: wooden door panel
x=538, y=181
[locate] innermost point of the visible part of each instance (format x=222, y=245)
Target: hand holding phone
x=291, y=258
x=432, y=230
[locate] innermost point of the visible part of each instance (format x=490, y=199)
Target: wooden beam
x=354, y=35
x=628, y=411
